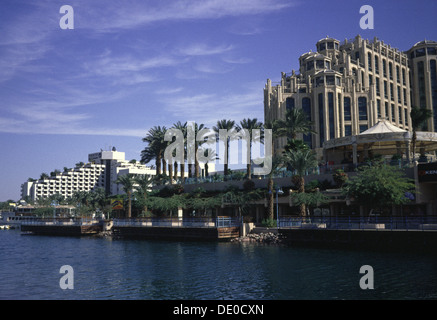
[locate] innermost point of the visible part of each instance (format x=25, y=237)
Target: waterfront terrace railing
x=74, y=221
x=361, y=223
x=176, y=222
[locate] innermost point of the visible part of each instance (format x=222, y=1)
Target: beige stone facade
x=344, y=88
x=422, y=60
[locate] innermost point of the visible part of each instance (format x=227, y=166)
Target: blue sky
x=129, y=65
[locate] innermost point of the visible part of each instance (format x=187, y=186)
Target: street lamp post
x=278, y=191
x=54, y=204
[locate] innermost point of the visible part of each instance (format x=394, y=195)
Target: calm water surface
x=143, y=269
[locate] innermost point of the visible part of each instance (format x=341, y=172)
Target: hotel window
x=432, y=51
x=348, y=130
x=420, y=52
x=386, y=111
x=330, y=45
x=378, y=108
x=384, y=68
x=347, y=109
x=330, y=80
x=362, y=108
x=321, y=120
x=320, y=64
x=336, y=46
x=433, y=75
x=363, y=127
x=369, y=61
x=399, y=94
x=357, y=55
x=390, y=70
x=406, y=117
x=320, y=81
x=400, y=115
x=310, y=65
x=331, y=115
x=322, y=46
x=306, y=107
x=405, y=96
x=370, y=80
x=337, y=81
x=377, y=86
x=391, y=92
x=392, y=113
x=376, y=65
x=403, y=77
x=289, y=104
x=398, y=74
x=421, y=78
x=385, y=89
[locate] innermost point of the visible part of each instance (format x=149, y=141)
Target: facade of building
x=346, y=88
x=101, y=171
x=422, y=61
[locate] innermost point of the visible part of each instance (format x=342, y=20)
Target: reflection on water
x=142, y=269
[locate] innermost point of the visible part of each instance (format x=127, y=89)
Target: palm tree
x=183, y=128
x=296, y=122
x=155, y=148
x=419, y=116
x=276, y=159
x=127, y=181
x=226, y=125
x=144, y=183
x=301, y=161
x=44, y=176
x=250, y=124
x=210, y=155
x=196, y=128
x=276, y=165
x=98, y=198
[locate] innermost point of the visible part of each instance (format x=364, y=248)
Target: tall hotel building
x=422, y=60
x=346, y=88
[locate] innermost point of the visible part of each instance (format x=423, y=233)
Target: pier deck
x=62, y=226
x=219, y=228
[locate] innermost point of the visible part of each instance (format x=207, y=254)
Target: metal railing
x=361, y=223
x=177, y=222
x=59, y=221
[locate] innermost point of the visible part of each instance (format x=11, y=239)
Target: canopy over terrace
x=383, y=138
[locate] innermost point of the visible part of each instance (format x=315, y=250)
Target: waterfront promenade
x=392, y=233
x=352, y=232
x=201, y=228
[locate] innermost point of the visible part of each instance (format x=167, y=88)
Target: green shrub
x=269, y=223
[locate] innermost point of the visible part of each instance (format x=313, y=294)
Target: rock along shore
x=267, y=238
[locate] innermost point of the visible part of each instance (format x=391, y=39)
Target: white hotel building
x=101, y=171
